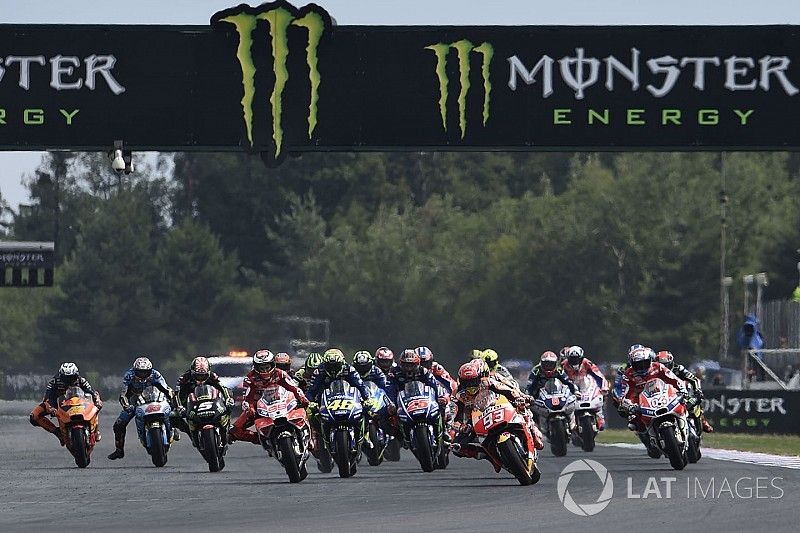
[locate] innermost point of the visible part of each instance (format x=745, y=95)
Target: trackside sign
x=278, y=79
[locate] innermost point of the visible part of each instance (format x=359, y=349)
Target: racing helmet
x=68, y=372
x=639, y=361
x=562, y=354
x=362, y=362
x=283, y=361
x=575, y=357
x=313, y=361
x=476, y=354
x=264, y=362
x=425, y=356
x=548, y=362
x=410, y=362
x=142, y=368
x=333, y=362
x=384, y=358
x=469, y=377
x=491, y=358
x=665, y=358
x=634, y=347
x=200, y=369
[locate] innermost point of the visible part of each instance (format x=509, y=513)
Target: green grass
x=775, y=444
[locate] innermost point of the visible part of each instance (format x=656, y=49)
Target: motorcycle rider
x=641, y=369
x=410, y=369
x=547, y=369
x=443, y=376
x=364, y=363
x=616, y=392
x=306, y=372
x=695, y=398
x=284, y=362
x=473, y=377
x=384, y=359
x=496, y=370
x=67, y=376
x=264, y=374
x=140, y=376
x=577, y=365
x=199, y=373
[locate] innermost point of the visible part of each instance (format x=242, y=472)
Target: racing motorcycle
x=695, y=425
x=556, y=405
x=283, y=429
x=662, y=411
x=376, y=438
x=589, y=403
x=422, y=426
x=342, y=425
x=77, y=420
x=208, y=417
x=152, y=422
x=506, y=434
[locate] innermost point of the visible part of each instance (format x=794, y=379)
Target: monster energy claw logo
x=463, y=49
x=280, y=17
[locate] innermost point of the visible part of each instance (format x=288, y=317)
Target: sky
x=13, y=165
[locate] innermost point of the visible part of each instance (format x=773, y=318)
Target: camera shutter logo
x=586, y=509
x=280, y=17
x=463, y=49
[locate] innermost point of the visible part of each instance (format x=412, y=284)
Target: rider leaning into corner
x=641, y=369
x=577, y=365
x=68, y=376
x=696, y=395
x=473, y=377
x=264, y=374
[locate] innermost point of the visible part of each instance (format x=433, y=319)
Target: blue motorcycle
x=152, y=423
x=342, y=425
x=422, y=426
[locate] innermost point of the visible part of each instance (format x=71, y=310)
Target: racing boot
x=59, y=436
x=707, y=428
x=119, y=443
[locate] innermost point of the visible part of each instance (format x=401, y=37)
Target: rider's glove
x=683, y=393
x=313, y=407
x=245, y=406
x=230, y=402
x=634, y=409
x=371, y=404
x=699, y=394
x=98, y=403
x=129, y=409
x=520, y=403
x=181, y=411
x=443, y=400
x=303, y=401
x=51, y=411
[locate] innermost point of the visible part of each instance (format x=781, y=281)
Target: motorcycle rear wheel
x=392, y=451
x=558, y=437
x=79, y=448
x=209, y=443
x=672, y=448
x=289, y=459
x=422, y=448
x=514, y=462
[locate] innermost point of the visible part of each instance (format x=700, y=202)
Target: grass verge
x=775, y=444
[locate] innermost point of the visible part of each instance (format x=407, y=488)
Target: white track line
x=755, y=458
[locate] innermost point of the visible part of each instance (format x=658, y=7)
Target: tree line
x=196, y=253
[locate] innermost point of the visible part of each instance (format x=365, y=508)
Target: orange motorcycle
x=77, y=420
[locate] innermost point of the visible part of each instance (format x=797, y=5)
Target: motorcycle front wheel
x=558, y=437
x=289, y=459
x=514, y=462
x=208, y=440
x=422, y=448
x=672, y=448
x=342, y=455
x=157, y=452
x=79, y=448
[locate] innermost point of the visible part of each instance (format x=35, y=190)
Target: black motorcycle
x=208, y=418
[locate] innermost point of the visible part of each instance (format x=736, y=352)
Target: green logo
x=280, y=17
x=463, y=49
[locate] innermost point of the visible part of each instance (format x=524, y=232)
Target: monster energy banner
x=278, y=79
x=751, y=411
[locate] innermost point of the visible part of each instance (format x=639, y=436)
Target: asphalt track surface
x=42, y=490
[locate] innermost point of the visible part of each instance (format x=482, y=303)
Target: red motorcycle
x=662, y=411
x=283, y=429
x=506, y=434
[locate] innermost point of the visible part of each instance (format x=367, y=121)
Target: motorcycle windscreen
x=553, y=386
x=151, y=394
x=484, y=399
x=340, y=387
x=72, y=392
x=205, y=392
x=654, y=387
x=415, y=388
x=585, y=384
